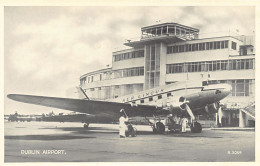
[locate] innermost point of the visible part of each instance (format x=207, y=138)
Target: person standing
x=184, y=124
x=122, y=126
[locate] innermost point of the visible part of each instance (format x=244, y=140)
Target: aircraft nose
x=227, y=89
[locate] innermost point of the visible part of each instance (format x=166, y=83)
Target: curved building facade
x=171, y=52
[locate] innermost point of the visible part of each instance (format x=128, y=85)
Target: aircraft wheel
x=160, y=128
x=133, y=134
x=85, y=126
x=196, y=127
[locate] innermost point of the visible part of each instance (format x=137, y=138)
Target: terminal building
x=171, y=52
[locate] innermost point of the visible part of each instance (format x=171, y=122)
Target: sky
x=47, y=49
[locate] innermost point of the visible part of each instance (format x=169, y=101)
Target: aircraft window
x=169, y=94
x=141, y=101
x=133, y=102
x=181, y=99
x=160, y=96
x=204, y=83
x=150, y=99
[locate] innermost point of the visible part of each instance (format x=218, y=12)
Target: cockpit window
x=181, y=99
x=205, y=83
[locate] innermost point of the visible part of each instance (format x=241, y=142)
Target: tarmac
x=69, y=142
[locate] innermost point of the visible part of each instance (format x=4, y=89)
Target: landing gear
x=196, y=127
x=159, y=128
x=85, y=126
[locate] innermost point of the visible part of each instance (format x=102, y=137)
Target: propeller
x=189, y=111
x=182, y=104
x=220, y=113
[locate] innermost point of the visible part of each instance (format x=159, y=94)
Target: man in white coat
x=122, y=126
x=184, y=124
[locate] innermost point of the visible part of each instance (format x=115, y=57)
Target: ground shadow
x=103, y=130
x=90, y=130
x=75, y=128
x=46, y=137
x=146, y=133
x=189, y=134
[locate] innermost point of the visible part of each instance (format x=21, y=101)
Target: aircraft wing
x=93, y=107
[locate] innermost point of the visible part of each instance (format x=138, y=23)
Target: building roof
x=96, y=71
x=166, y=39
x=169, y=23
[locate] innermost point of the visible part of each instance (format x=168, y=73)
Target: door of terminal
x=234, y=118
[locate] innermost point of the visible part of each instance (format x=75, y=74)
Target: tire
x=196, y=127
x=160, y=128
x=131, y=131
x=133, y=134
x=126, y=133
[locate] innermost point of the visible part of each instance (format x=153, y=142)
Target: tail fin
x=82, y=94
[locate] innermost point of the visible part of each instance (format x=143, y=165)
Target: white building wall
x=215, y=75
x=137, y=88
x=204, y=55
x=242, y=57
x=98, y=91
x=122, y=90
x=163, y=62
x=128, y=63
x=234, y=52
x=117, y=81
x=196, y=56
x=108, y=92
x=250, y=50
x=210, y=39
x=103, y=92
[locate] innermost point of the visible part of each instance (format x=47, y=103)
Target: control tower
x=154, y=40
x=166, y=32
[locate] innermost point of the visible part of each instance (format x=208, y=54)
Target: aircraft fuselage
x=195, y=93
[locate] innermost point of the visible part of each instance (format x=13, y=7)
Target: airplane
x=185, y=98
x=22, y=118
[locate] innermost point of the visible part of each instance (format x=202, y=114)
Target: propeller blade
x=219, y=114
x=190, y=112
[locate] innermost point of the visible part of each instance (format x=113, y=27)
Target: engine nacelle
x=176, y=103
x=212, y=108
